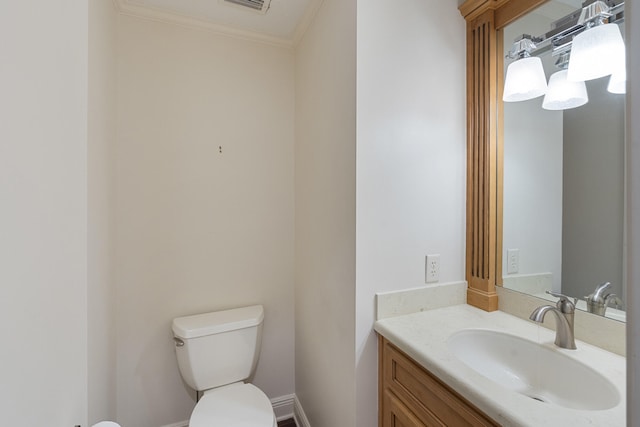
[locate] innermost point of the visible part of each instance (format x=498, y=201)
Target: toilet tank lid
x=217, y=322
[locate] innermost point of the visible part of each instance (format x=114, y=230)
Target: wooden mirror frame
x=486, y=20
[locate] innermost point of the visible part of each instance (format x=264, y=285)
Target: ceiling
x=283, y=24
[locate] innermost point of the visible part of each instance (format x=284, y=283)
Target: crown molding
x=305, y=22
x=159, y=15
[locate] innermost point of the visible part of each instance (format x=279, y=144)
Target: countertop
x=423, y=336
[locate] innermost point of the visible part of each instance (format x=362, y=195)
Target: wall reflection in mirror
x=563, y=218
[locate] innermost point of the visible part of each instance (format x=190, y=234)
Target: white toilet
x=216, y=352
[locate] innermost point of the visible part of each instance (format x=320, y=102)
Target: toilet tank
x=218, y=348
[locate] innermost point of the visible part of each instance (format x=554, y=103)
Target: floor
x=287, y=423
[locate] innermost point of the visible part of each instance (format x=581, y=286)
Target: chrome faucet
x=564, y=312
x=599, y=300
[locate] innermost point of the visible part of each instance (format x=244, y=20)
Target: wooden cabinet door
x=396, y=414
x=409, y=395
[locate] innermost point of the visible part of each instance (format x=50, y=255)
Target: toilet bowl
x=235, y=405
x=216, y=353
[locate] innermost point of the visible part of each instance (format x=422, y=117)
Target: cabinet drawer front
x=398, y=415
x=424, y=394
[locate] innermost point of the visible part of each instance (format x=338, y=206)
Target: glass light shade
x=617, y=83
x=525, y=80
x=563, y=94
x=618, y=80
x=596, y=53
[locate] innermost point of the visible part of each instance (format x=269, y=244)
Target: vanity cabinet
x=410, y=396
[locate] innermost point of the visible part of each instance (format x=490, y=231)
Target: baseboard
x=283, y=406
x=298, y=414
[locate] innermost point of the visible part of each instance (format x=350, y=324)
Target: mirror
x=563, y=184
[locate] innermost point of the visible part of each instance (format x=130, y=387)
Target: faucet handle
x=564, y=303
x=615, y=299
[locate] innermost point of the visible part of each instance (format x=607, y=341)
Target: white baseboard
x=298, y=414
x=284, y=407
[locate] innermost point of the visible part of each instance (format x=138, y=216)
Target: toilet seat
x=234, y=405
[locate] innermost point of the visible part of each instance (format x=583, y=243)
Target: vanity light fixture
x=564, y=94
x=590, y=37
x=525, y=77
x=618, y=79
x=618, y=82
x=596, y=52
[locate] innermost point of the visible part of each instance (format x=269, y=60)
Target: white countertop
x=423, y=336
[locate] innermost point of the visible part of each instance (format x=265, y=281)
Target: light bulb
x=563, y=94
x=525, y=80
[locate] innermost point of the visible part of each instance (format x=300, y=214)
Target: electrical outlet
x=432, y=268
x=513, y=261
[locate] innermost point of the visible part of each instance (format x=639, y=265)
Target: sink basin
x=533, y=370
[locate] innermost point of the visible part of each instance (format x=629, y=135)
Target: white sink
x=533, y=370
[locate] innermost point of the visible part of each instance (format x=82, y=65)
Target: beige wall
x=325, y=216
x=199, y=230
x=101, y=141
x=43, y=213
x=411, y=160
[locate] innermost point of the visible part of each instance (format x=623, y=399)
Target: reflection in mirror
x=563, y=192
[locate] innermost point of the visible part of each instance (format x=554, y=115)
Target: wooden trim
x=507, y=11
x=485, y=20
x=482, y=299
x=380, y=382
x=500, y=157
x=471, y=9
x=481, y=161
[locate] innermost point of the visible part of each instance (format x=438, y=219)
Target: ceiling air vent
x=260, y=6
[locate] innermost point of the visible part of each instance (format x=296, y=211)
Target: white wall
x=199, y=230
x=410, y=161
x=325, y=216
x=43, y=213
x=101, y=123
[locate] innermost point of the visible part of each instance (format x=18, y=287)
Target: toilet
x=216, y=353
